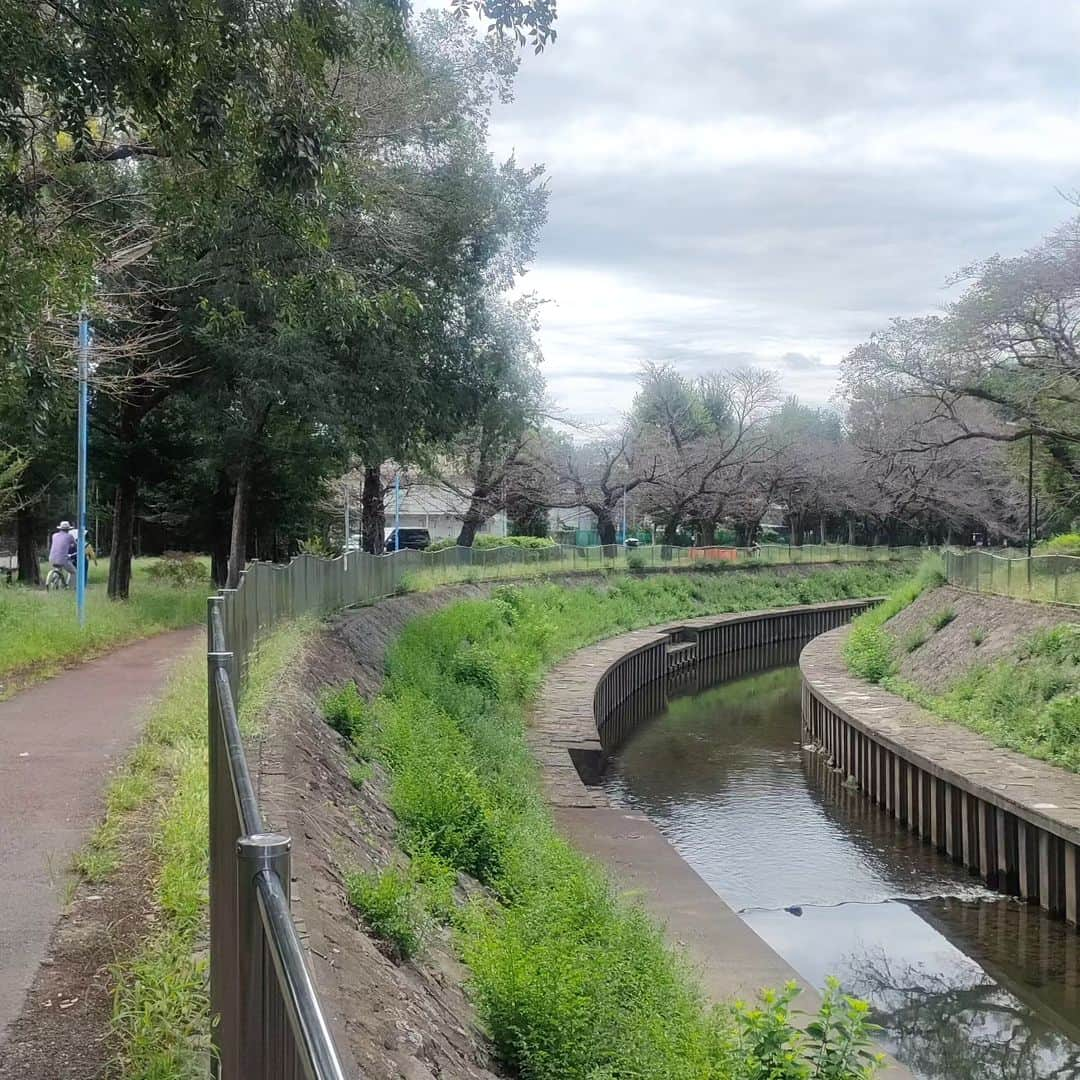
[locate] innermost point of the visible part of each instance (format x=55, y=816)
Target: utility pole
x=1031, y=496
x=80, y=540
x=346, y=526
x=397, y=510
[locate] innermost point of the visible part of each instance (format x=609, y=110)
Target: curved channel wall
x=1011, y=820
x=675, y=652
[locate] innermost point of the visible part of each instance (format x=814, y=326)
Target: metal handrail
x=319, y=1057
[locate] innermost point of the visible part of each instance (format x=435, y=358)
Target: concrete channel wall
x=671, y=652
x=1011, y=820
x=578, y=722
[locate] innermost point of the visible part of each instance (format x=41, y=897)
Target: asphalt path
x=59, y=743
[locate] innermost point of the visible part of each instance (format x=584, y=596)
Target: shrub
x=530, y=543
x=393, y=909
x=1065, y=544
x=635, y=563
x=179, y=569
x=942, y=619
x=320, y=547
x=869, y=652
x=347, y=712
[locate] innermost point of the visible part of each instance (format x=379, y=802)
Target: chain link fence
x=1049, y=578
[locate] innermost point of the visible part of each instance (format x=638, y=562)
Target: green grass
x=1028, y=702
x=869, y=650
x=571, y=980
x=487, y=565
x=161, y=1009
x=39, y=633
x=393, y=908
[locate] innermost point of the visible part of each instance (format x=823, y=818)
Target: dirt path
x=59, y=742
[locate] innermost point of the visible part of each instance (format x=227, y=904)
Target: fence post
x=255, y=855
x=223, y=829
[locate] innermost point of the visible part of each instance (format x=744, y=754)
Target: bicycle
x=57, y=579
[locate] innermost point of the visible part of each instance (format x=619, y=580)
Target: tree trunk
x=123, y=533
x=708, y=533
x=821, y=529
x=27, y=547
x=605, y=526
x=472, y=521
x=851, y=531
x=671, y=532
x=372, y=512
x=238, y=536
x=795, y=530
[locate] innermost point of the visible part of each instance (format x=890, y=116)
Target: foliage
x=942, y=618
x=393, y=909
x=570, y=979
x=978, y=635
x=869, y=648
x=319, y=547
x=347, y=713
x=1064, y=544
x=486, y=542
x=181, y=569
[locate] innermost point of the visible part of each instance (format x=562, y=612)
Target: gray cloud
x=744, y=183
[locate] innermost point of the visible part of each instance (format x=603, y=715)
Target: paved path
x=59, y=741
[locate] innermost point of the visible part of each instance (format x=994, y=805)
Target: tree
x=704, y=434
x=597, y=475
x=477, y=465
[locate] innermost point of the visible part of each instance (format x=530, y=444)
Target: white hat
x=65, y=525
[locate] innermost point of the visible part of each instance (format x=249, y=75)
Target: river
x=966, y=983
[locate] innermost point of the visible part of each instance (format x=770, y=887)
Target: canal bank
x=583, y=717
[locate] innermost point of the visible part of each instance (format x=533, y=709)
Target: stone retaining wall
x=1011, y=820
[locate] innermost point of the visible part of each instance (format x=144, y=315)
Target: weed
x=346, y=712
x=916, y=639
x=977, y=635
x=392, y=906
x=360, y=773
x=942, y=618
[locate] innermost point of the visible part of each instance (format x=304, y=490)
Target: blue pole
x=80, y=549
x=397, y=511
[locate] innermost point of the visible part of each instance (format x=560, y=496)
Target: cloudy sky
x=736, y=182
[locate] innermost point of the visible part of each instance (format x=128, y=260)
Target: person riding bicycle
x=62, y=548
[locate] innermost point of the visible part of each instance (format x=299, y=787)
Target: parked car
x=398, y=539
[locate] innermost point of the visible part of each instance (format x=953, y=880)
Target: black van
x=417, y=539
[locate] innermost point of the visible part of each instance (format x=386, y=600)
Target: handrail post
x=223, y=829
x=257, y=854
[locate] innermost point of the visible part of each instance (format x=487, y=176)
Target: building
x=432, y=507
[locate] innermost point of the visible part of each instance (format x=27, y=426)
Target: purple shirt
x=60, y=549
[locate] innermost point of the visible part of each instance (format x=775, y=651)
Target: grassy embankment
x=161, y=1019
x=572, y=981
x=1029, y=701
x=487, y=563
x=39, y=633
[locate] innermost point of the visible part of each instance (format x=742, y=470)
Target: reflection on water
x=968, y=985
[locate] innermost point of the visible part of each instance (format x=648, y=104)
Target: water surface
x=969, y=985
